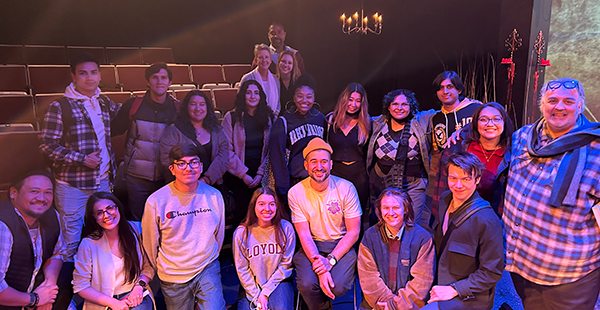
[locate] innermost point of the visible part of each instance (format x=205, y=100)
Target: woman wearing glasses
x=197, y=124
x=488, y=136
x=111, y=269
x=398, y=153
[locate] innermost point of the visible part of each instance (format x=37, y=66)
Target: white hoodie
x=92, y=106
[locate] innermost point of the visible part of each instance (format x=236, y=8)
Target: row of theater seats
x=41, y=79
x=61, y=55
x=23, y=112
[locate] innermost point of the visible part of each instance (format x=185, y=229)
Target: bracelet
x=34, y=299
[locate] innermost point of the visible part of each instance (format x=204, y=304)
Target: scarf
x=574, y=147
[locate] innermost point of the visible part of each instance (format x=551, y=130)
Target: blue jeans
x=70, y=204
x=282, y=298
x=204, y=289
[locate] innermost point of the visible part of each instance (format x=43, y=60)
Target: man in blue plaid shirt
x=76, y=137
x=552, y=239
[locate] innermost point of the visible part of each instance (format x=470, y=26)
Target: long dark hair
x=251, y=218
x=210, y=123
x=407, y=203
x=473, y=132
x=127, y=237
x=263, y=112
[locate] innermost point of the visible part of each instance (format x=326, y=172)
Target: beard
x=320, y=179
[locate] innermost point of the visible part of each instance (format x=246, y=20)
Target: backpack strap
x=67, y=114
x=135, y=106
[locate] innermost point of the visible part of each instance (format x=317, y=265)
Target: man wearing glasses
x=552, y=239
x=182, y=233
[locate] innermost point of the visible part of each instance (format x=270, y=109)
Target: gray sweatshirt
x=183, y=232
x=261, y=264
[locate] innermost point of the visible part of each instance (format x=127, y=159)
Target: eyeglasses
x=110, y=210
x=495, y=120
x=566, y=84
x=194, y=164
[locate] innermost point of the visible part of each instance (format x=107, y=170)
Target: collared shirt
x=545, y=244
x=68, y=152
x=6, y=242
x=398, y=236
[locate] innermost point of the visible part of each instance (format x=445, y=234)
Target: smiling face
x=159, y=82
x=107, y=214
x=399, y=108
x=561, y=108
x=392, y=212
x=277, y=36
x=490, y=124
x=318, y=164
x=197, y=109
x=448, y=94
x=188, y=175
x=86, y=78
x=34, y=198
x=263, y=58
x=461, y=184
x=252, y=96
x=265, y=210
x=286, y=64
x=304, y=98
x=354, y=103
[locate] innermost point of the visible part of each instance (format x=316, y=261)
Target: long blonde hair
x=364, y=120
x=295, y=69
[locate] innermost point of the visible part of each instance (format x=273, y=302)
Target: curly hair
x=391, y=96
x=263, y=112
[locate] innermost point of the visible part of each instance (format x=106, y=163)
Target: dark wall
x=419, y=40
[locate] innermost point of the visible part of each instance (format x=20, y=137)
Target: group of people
x=427, y=207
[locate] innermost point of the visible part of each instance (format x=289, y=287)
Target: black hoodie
x=300, y=130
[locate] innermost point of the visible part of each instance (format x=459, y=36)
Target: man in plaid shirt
x=78, y=142
x=552, y=239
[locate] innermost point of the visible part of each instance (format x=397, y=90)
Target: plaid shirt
x=68, y=152
x=545, y=244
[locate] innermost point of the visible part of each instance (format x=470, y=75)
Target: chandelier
x=354, y=24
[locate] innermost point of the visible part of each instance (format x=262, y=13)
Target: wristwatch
x=332, y=260
x=142, y=283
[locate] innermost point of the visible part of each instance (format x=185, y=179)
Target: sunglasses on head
x=566, y=84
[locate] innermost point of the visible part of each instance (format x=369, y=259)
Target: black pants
x=241, y=192
x=357, y=174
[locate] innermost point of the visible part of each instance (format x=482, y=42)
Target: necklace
x=487, y=158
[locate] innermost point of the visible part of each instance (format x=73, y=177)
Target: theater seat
x=123, y=56
x=224, y=99
x=152, y=55
x=202, y=74
x=13, y=79
x=45, y=55
x=131, y=77
x=20, y=153
x=233, y=73
x=44, y=79
x=17, y=109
